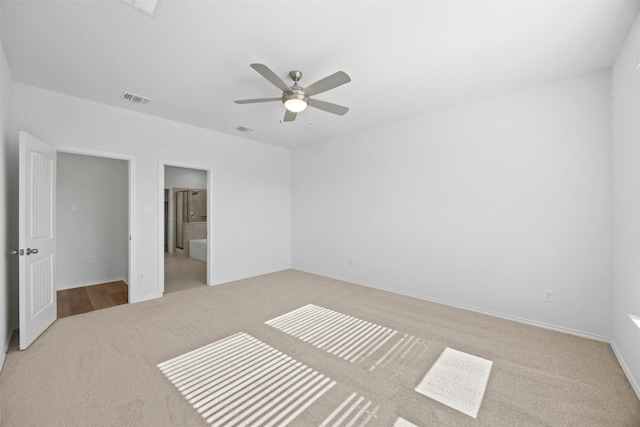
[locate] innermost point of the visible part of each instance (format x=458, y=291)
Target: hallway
x=182, y=272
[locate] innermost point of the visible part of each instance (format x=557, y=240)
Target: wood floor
x=90, y=298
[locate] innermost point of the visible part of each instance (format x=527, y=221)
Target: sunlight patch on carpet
x=401, y=422
x=354, y=410
x=458, y=380
x=347, y=337
x=405, y=347
x=241, y=380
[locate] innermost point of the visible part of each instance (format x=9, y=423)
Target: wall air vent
x=244, y=129
x=148, y=7
x=136, y=99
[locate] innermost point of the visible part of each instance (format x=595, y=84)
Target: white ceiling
x=404, y=58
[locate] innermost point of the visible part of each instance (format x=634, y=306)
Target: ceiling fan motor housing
x=295, y=75
x=296, y=93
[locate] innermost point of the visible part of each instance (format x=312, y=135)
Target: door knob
x=31, y=251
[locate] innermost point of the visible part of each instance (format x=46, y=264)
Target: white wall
x=92, y=220
x=184, y=178
x=251, y=181
x=8, y=208
x=485, y=206
x=626, y=205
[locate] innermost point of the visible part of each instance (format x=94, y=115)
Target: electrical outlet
x=548, y=296
x=90, y=265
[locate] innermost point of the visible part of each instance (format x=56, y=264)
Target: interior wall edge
x=529, y=322
x=8, y=206
x=143, y=298
x=625, y=368
x=625, y=203
x=3, y=354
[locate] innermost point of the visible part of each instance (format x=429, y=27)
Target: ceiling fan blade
x=253, y=101
x=271, y=76
x=330, y=82
x=328, y=107
x=289, y=116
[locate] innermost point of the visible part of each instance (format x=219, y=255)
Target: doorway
x=38, y=234
x=185, y=256
x=92, y=222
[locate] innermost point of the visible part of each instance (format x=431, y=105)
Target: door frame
x=132, y=283
x=209, y=188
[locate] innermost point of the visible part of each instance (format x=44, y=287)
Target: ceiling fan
x=296, y=98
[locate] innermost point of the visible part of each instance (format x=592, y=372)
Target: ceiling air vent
x=244, y=129
x=136, y=99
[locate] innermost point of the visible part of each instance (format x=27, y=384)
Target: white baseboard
x=62, y=287
x=468, y=308
x=625, y=369
x=145, y=298
x=236, y=278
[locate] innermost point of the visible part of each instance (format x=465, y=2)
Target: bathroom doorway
x=185, y=255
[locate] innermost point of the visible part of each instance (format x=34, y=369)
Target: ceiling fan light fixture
x=295, y=102
x=295, y=105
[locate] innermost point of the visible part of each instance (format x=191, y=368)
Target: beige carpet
x=101, y=368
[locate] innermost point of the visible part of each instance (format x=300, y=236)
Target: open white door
x=37, y=202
